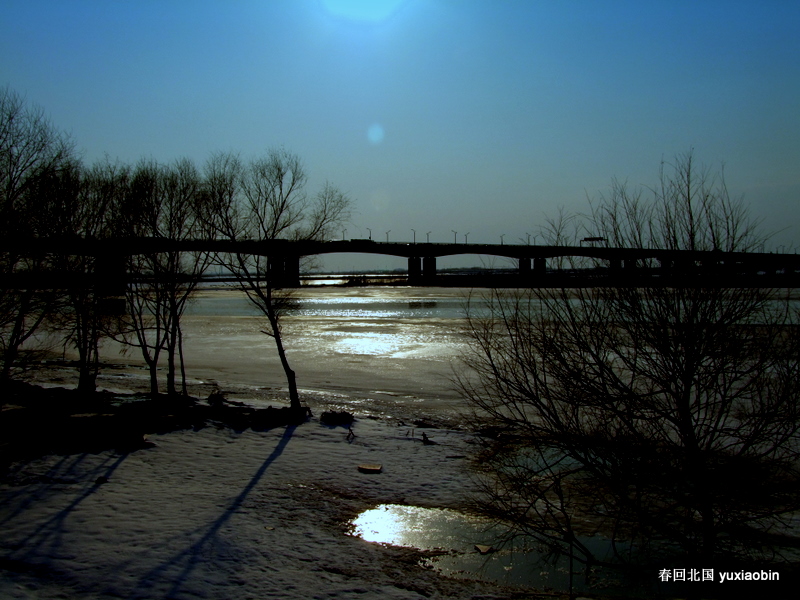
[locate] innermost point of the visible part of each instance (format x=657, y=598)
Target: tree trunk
x=184, y=390
x=87, y=379
x=153, y=380
x=15, y=339
x=86, y=342
x=294, y=397
x=152, y=365
x=171, y=372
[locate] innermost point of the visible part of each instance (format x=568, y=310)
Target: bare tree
x=690, y=208
x=29, y=146
x=265, y=200
x=666, y=418
x=95, y=280
x=64, y=213
x=183, y=219
x=161, y=207
x=30, y=149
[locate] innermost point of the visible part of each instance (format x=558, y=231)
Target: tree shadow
x=189, y=558
x=48, y=535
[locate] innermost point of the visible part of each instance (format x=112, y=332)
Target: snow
x=219, y=514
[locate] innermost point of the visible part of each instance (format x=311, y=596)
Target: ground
x=216, y=512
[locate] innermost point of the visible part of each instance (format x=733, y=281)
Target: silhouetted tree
x=265, y=199
x=690, y=208
x=664, y=418
x=185, y=214
x=81, y=206
x=30, y=149
x=161, y=206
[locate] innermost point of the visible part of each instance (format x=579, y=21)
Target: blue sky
x=437, y=115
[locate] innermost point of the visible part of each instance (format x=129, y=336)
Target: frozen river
x=376, y=351
x=376, y=346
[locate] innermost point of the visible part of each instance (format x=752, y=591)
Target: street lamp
x=455, y=236
x=466, y=235
x=344, y=233
x=428, y=237
x=387, y=236
x=501, y=238
x=370, y=232
x=415, y=235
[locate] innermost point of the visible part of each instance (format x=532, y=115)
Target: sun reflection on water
x=471, y=547
x=414, y=526
x=372, y=344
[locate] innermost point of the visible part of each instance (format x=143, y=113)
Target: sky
x=470, y=116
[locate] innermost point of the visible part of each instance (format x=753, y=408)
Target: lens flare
x=375, y=133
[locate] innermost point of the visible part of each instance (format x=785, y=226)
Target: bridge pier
x=421, y=270
x=531, y=267
x=275, y=270
x=524, y=267
x=414, y=270
x=291, y=271
x=284, y=271
x=429, y=268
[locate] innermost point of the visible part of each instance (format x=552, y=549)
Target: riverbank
x=206, y=510
x=127, y=497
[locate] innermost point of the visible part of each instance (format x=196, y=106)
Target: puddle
x=424, y=528
x=459, y=535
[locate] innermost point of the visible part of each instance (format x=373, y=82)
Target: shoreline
x=217, y=510
x=206, y=506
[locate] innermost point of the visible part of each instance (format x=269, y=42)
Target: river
x=373, y=349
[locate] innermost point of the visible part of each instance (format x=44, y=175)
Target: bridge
x=533, y=263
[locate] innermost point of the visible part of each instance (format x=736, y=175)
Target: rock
x=216, y=398
x=334, y=418
x=370, y=468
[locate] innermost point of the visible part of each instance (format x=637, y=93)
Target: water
x=358, y=303
x=375, y=349
x=470, y=547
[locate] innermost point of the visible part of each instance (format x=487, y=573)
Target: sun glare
x=363, y=10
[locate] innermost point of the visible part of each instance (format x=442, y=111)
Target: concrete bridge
x=621, y=264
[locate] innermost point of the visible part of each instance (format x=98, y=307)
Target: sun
x=362, y=10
